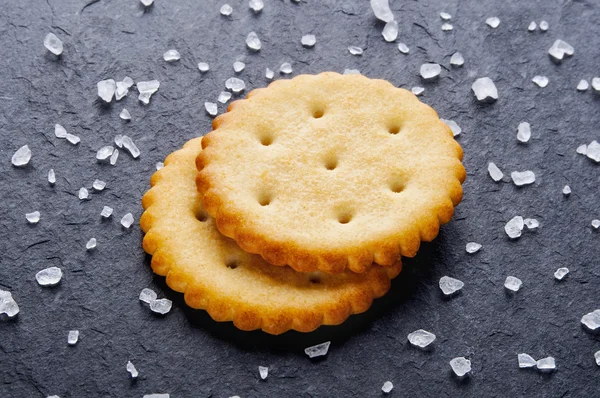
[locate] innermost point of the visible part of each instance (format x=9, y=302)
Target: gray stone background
x=187, y=354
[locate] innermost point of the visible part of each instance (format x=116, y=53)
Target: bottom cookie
x=231, y=285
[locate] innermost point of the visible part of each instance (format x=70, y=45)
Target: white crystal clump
x=269, y=74
x=224, y=97
x=447, y=27
x=456, y=130
x=83, y=193
x=430, y=70
x=566, y=190
x=203, y=67
x=131, y=147
x=285, y=68
x=547, y=364
x=526, y=361
x=125, y=115
x=524, y=132
x=147, y=295
x=211, y=108
x=512, y=283
x=263, y=371
x=493, y=22
x=521, y=178
x=91, y=244
x=161, y=306
x=8, y=305
x=457, y=59
x=495, y=172
x=583, y=85
x=531, y=223
x=561, y=273
x=387, y=387
x=127, y=220
x=450, y=285
x=559, y=49
x=73, y=337
x=485, y=89
x=473, y=247
x=60, y=131
x=106, y=212
x=514, y=227
x=317, y=350
x=238, y=66
x=390, y=31
x=132, y=370
x=403, y=48
x=445, y=16
x=21, y=157
x=123, y=88
x=49, y=277
x=51, y=177
x=308, y=40
x=593, y=151
x=234, y=84
x=544, y=26
x=53, y=44
x=106, y=89
x=73, y=139
x=146, y=89
x=114, y=157
x=256, y=5
x=421, y=338
x=417, y=90
x=33, y=217
x=226, y=10
x=541, y=81
x=532, y=26
x=171, y=55
x=591, y=320
x=355, y=50
x=381, y=9
x=461, y=366
x=253, y=42
x=105, y=152
x=582, y=149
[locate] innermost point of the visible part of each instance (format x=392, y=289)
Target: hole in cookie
x=394, y=130
x=266, y=139
x=396, y=186
x=201, y=216
x=318, y=113
x=264, y=199
x=344, y=218
x=314, y=279
x=331, y=162
x=232, y=264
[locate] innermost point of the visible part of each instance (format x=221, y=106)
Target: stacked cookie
x=295, y=210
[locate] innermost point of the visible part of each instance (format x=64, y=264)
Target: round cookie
x=231, y=285
x=330, y=172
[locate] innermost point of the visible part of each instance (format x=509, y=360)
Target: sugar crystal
x=566, y=190
x=132, y=370
x=106, y=89
x=485, y=89
x=146, y=89
x=83, y=193
x=114, y=157
x=546, y=364
x=447, y=27
x=387, y=387
x=514, y=227
x=403, y=48
x=73, y=337
x=524, y=132
x=234, y=84
x=430, y=70
x=561, y=273
x=512, y=283
x=460, y=366
x=597, y=357
x=238, y=66
x=53, y=44
x=91, y=244
x=256, y=5
x=457, y=59
x=583, y=85
x=127, y=220
x=203, y=67
x=269, y=74
x=8, y=305
x=417, y=90
x=49, y=276
x=224, y=97
x=161, y=306
x=99, y=185
x=596, y=84
x=592, y=320
x=125, y=115
x=559, y=49
x=60, y=131
x=253, y=42
x=456, y=130
x=73, y=139
x=147, y=3
x=285, y=68
x=51, y=177
x=582, y=149
x=421, y=338
x=544, y=26
x=226, y=10
x=104, y=152
x=541, y=81
x=119, y=140
x=531, y=223
x=493, y=22
x=21, y=156
x=593, y=151
x=211, y=108
x=263, y=371
x=131, y=147
x=159, y=165
x=33, y=217
x=596, y=224
x=390, y=31
x=450, y=285
x=308, y=40
x=147, y=295
x=106, y=212
x=521, y=178
x=381, y=9
x=318, y=350
x=355, y=50
x=532, y=26
x=473, y=247
x=445, y=16
x=495, y=172
x=121, y=91
x=171, y=56
x=526, y=361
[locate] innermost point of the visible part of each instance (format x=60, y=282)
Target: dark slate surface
x=187, y=354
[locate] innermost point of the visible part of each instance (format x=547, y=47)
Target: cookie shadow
x=416, y=272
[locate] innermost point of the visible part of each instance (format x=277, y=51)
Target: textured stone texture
x=186, y=353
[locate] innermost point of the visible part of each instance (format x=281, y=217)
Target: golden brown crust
x=330, y=172
x=194, y=257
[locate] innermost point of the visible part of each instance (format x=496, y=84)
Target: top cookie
x=329, y=171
